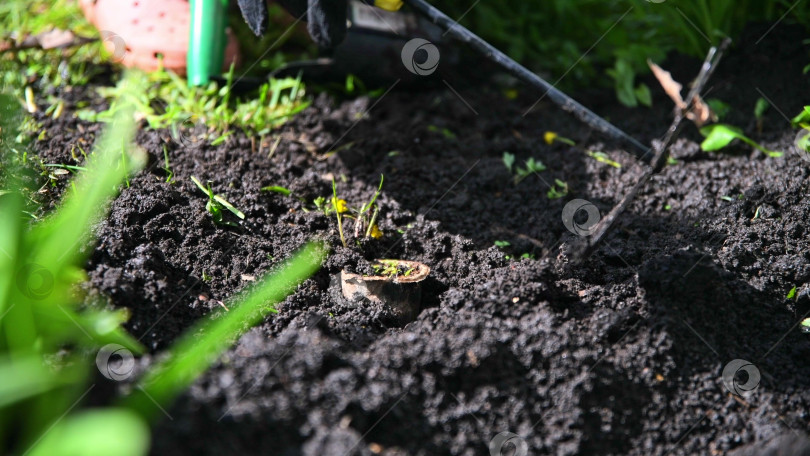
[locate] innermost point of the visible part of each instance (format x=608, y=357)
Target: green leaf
x=802, y=118
x=791, y=294
x=643, y=95
x=508, y=160
x=719, y=136
x=760, y=107
x=718, y=107
x=277, y=189
x=95, y=432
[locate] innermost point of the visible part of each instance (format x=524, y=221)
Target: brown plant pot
x=401, y=293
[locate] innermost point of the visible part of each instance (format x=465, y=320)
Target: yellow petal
x=549, y=137
x=389, y=5
x=375, y=232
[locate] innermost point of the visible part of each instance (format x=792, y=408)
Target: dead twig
x=586, y=246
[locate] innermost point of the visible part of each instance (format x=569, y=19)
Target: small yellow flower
x=376, y=233
x=340, y=205
x=549, y=137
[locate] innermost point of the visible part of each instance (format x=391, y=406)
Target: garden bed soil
x=620, y=354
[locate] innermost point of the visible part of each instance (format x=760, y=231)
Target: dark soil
x=620, y=354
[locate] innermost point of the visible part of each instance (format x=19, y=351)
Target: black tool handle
x=559, y=98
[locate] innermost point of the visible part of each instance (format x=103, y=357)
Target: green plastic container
x=206, y=46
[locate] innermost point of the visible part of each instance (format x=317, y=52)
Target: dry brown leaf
x=671, y=87
x=701, y=113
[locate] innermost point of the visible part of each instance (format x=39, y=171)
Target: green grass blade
x=206, y=341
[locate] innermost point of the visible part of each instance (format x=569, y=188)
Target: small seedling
x=216, y=203
x=791, y=294
x=805, y=325
x=760, y=107
x=447, y=133
x=602, y=157
x=718, y=107
x=508, y=160
x=558, y=190
x=803, y=119
x=277, y=189
x=551, y=137
x=532, y=166
x=166, y=166
x=392, y=268
x=502, y=244
x=719, y=136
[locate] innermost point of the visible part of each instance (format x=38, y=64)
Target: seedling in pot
x=216, y=203
x=397, y=285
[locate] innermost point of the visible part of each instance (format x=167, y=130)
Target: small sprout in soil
x=551, y=137
x=727, y=198
x=667, y=207
x=167, y=166
x=502, y=244
x=791, y=294
x=602, y=157
x=508, y=160
x=558, y=190
x=532, y=166
x=206, y=277
x=216, y=203
x=756, y=214
x=447, y=133
x=391, y=268
x=719, y=136
x=718, y=107
x=806, y=326
x=760, y=107
x=528, y=256
x=278, y=189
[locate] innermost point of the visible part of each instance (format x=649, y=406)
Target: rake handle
x=559, y=98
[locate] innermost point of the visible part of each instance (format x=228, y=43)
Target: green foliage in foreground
x=50, y=334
